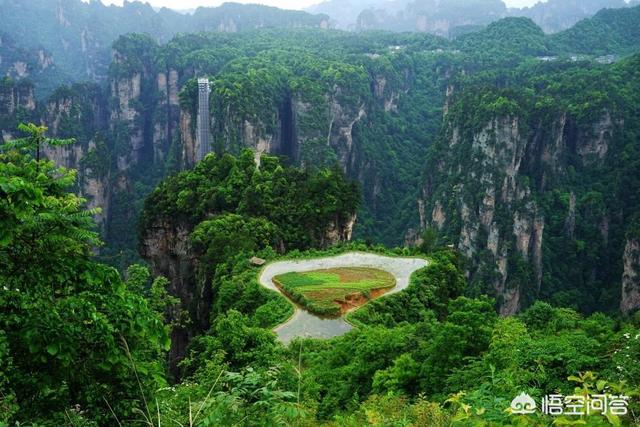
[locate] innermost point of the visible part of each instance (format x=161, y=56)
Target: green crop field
x=333, y=291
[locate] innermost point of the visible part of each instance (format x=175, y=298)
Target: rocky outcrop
x=167, y=120
x=126, y=91
x=340, y=138
x=165, y=246
x=79, y=112
x=631, y=277
x=17, y=105
x=339, y=231
x=93, y=184
x=289, y=128
x=14, y=96
x=595, y=146
x=188, y=139
x=489, y=205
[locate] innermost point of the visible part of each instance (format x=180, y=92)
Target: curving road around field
x=306, y=324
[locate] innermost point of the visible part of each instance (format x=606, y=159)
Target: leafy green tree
x=138, y=278
x=221, y=238
x=429, y=240
x=69, y=327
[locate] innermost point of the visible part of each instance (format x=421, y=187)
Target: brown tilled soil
x=357, y=299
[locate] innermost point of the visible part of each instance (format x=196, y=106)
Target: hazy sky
x=285, y=4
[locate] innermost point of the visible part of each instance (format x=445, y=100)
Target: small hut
x=257, y=261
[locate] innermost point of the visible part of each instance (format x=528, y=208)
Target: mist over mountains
x=70, y=40
x=73, y=38
x=449, y=18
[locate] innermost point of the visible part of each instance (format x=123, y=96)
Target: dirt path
x=400, y=268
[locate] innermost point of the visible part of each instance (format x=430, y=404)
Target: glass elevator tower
x=203, y=135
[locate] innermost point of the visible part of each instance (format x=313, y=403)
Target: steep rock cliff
x=80, y=112
x=519, y=191
x=631, y=277
x=17, y=103
x=165, y=246
x=491, y=213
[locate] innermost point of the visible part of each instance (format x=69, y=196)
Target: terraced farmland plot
x=334, y=291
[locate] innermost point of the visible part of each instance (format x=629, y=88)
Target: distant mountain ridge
x=449, y=18
x=78, y=35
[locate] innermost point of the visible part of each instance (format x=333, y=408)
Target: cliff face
x=493, y=212
x=165, y=246
x=166, y=125
x=507, y=196
x=145, y=112
x=143, y=126
x=93, y=181
x=36, y=64
x=288, y=126
x=314, y=132
x=631, y=277
x=16, y=95
x=16, y=100
x=80, y=112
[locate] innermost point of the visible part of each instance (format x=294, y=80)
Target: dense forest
x=504, y=158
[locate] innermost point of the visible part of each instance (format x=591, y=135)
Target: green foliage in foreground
x=69, y=327
x=325, y=291
x=425, y=356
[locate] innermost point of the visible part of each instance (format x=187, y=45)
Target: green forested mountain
x=339, y=99
x=70, y=40
x=544, y=203
x=607, y=31
x=504, y=160
x=255, y=208
x=75, y=37
x=371, y=103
